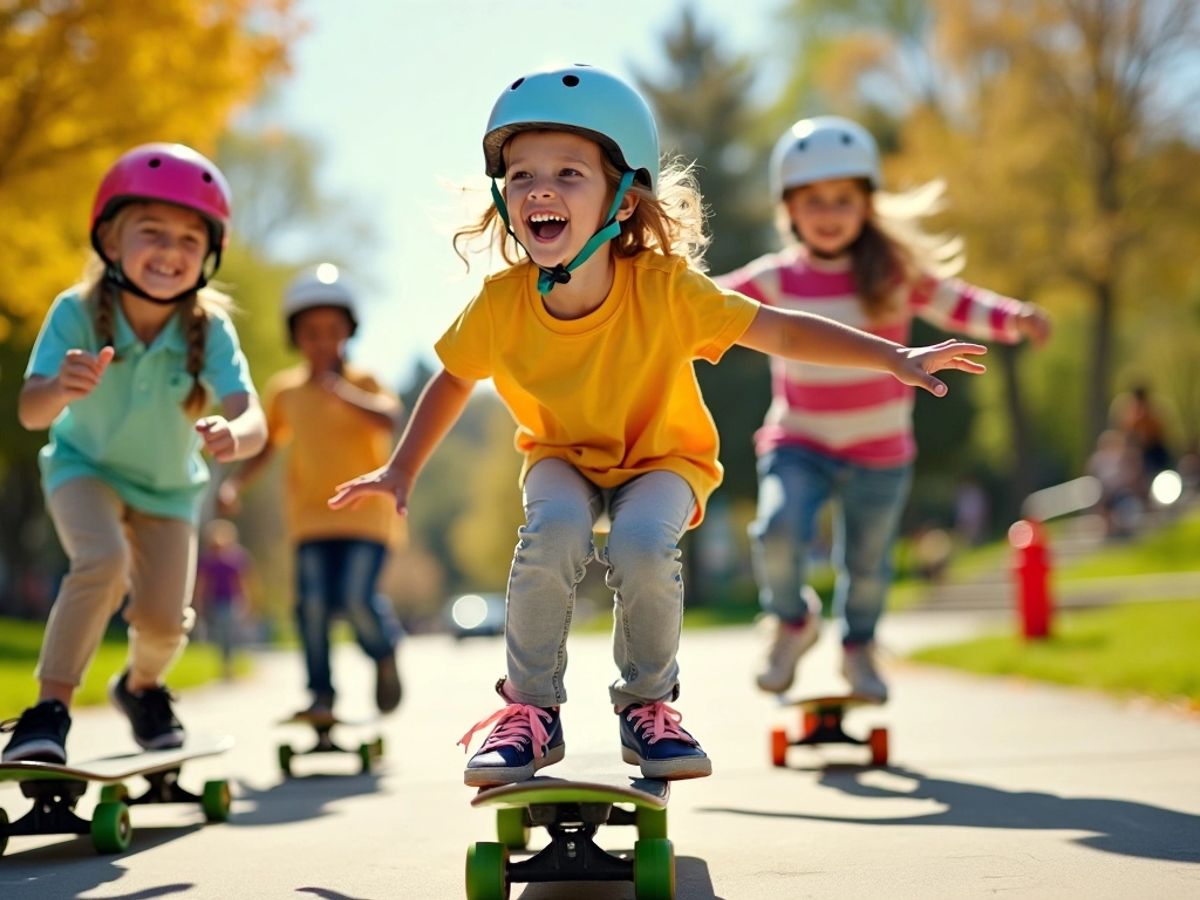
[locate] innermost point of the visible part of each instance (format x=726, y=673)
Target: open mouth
x=546, y=226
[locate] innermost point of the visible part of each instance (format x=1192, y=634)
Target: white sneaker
x=858, y=667
x=788, y=643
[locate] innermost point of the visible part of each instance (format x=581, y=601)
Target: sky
x=397, y=95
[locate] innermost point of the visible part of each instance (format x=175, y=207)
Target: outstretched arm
x=441, y=403
x=815, y=339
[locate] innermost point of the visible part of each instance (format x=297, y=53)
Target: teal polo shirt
x=132, y=432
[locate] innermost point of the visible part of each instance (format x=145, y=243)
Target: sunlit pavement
x=995, y=786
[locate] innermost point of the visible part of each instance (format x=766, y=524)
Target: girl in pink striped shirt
x=844, y=433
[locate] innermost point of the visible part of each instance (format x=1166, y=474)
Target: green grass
x=1170, y=549
x=1150, y=649
x=19, y=645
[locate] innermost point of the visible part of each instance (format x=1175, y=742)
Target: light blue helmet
x=582, y=99
x=823, y=148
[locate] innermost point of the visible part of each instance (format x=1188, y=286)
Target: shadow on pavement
x=299, y=799
x=1125, y=827
x=71, y=867
x=692, y=882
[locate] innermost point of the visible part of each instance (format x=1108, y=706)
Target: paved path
x=996, y=787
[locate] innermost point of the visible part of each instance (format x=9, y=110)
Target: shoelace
x=156, y=702
x=657, y=721
x=517, y=724
x=9, y=725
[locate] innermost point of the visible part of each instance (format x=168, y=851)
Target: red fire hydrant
x=1031, y=573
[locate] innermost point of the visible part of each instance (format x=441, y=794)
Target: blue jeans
x=649, y=514
x=339, y=576
x=794, y=483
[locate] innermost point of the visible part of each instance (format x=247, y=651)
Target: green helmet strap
x=561, y=274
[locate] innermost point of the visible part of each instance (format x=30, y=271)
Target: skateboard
x=367, y=751
x=572, y=812
x=821, y=723
x=55, y=789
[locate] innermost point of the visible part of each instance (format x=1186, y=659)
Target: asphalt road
x=995, y=787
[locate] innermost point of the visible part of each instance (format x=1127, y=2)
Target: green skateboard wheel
x=285, y=759
x=511, y=829
x=111, y=829
x=487, y=876
x=654, y=869
x=216, y=800
x=114, y=793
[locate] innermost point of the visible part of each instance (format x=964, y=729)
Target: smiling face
x=161, y=247
x=829, y=215
x=557, y=193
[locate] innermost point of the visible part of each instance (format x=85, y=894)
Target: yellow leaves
x=81, y=82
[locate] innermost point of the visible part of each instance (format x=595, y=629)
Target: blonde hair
x=893, y=248
x=670, y=221
x=193, y=312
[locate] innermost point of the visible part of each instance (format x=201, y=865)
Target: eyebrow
x=558, y=160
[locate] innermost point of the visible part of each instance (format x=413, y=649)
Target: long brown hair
x=670, y=221
x=193, y=311
x=893, y=249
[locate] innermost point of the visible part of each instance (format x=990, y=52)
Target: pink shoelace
x=517, y=725
x=659, y=722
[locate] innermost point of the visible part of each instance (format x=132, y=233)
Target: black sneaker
x=652, y=738
x=40, y=734
x=387, y=683
x=149, y=712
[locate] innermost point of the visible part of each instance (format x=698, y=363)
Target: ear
x=629, y=203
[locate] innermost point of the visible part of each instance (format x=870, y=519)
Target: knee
x=102, y=563
x=553, y=523
x=643, y=549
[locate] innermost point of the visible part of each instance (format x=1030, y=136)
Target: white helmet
x=321, y=285
x=822, y=148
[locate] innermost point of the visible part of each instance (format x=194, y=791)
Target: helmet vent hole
x=154, y=163
x=846, y=139
x=801, y=145
x=516, y=84
x=206, y=177
x=570, y=80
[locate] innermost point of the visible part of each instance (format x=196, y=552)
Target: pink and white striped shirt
x=857, y=415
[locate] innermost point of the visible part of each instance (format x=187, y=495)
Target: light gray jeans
x=649, y=515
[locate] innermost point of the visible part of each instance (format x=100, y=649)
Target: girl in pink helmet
x=590, y=337
x=857, y=256
x=125, y=366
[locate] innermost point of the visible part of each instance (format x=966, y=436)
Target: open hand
x=219, y=439
x=916, y=364
x=81, y=371
x=381, y=481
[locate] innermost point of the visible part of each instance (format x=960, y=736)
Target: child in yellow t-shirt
x=590, y=341
x=339, y=421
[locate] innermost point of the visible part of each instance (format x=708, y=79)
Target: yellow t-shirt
x=613, y=393
x=331, y=442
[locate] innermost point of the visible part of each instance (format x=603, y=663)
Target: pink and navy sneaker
x=652, y=738
x=525, y=738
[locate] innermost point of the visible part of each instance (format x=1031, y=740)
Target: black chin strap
x=115, y=275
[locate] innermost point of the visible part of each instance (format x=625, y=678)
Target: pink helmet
x=167, y=173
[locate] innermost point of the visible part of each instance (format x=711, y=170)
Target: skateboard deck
x=368, y=752
x=821, y=723
x=572, y=811
x=56, y=788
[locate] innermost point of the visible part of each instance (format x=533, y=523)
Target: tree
x=81, y=82
x=1059, y=117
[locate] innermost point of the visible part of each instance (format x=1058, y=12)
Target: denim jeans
x=339, y=576
x=649, y=515
x=794, y=483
